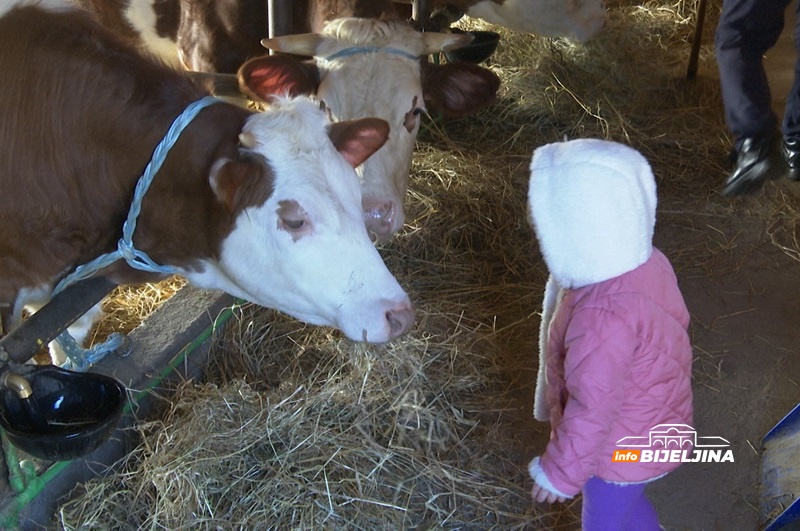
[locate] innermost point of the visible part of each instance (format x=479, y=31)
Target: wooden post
x=691, y=71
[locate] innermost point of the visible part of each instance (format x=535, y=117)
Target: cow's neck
x=181, y=221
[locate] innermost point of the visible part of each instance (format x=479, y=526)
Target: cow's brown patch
x=73, y=154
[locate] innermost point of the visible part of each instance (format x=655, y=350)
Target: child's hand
x=539, y=493
x=542, y=495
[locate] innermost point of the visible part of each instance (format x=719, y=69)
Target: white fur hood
x=592, y=204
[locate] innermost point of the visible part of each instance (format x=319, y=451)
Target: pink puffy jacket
x=618, y=364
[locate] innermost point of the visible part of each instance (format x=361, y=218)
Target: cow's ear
x=356, y=140
x=275, y=75
x=454, y=90
x=242, y=182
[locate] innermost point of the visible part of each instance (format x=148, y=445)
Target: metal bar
x=691, y=71
x=420, y=12
x=39, y=329
x=280, y=17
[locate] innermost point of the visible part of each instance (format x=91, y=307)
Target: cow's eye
x=412, y=118
x=293, y=219
x=293, y=224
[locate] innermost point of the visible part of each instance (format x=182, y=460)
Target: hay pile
x=299, y=428
x=128, y=306
x=322, y=434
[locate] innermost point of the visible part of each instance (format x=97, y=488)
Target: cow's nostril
x=378, y=212
x=380, y=220
x=400, y=320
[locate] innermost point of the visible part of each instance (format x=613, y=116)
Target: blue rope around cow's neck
x=356, y=50
x=78, y=357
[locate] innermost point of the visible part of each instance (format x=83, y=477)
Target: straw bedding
x=297, y=427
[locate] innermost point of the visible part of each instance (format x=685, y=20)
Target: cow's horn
x=443, y=42
x=248, y=140
x=301, y=44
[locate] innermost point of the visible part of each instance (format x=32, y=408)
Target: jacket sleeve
x=599, y=346
x=538, y=475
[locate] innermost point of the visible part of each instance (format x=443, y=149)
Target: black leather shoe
x=757, y=160
x=791, y=154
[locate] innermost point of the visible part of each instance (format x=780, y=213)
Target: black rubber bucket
x=69, y=414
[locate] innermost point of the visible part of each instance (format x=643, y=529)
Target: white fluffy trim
x=538, y=475
x=552, y=296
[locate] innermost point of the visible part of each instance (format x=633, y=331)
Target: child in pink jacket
x=615, y=355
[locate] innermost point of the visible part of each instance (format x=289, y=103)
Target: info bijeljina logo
x=672, y=443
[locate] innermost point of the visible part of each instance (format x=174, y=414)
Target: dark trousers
x=746, y=30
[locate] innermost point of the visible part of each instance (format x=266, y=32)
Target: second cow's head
x=366, y=67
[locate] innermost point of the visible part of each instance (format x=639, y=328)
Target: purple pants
x=610, y=507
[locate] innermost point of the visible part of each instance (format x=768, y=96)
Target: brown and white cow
x=236, y=26
x=265, y=206
x=375, y=66
x=578, y=20
x=216, y=36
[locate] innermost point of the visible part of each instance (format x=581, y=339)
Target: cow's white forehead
x=292, y=134
x=372, y=32
x=300, y=117
x=384, y=84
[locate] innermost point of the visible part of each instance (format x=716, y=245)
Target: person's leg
x=611, y=507
x=746, y=30
x=791, y=116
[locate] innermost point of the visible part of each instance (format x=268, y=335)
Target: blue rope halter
x=356, y=50
x=78, y=357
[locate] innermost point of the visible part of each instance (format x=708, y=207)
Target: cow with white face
x=308, y=238
x=371, y=67
x=265, y=206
